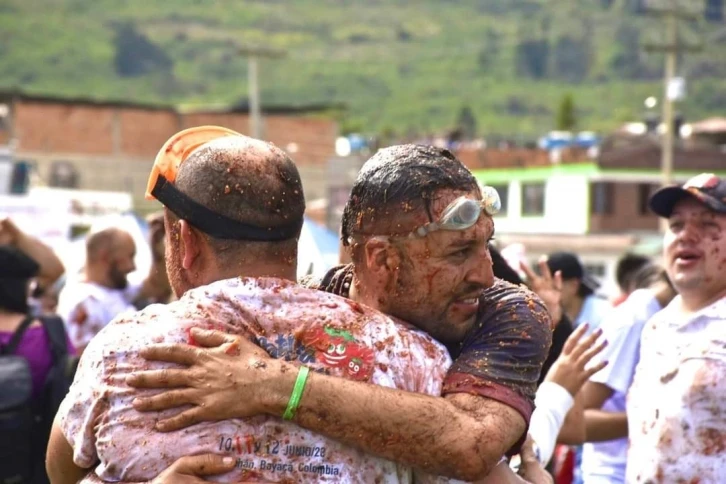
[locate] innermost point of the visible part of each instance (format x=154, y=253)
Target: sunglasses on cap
x=161, y=187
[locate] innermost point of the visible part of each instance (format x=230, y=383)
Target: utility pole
x=672, y=13
x=254, y=54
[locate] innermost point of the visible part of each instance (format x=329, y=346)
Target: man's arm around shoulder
x=59, y=462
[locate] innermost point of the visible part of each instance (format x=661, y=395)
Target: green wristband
x=297, y=391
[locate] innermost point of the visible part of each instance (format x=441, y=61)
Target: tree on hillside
x=532, y=58
x=466, y=123
x=136, y=55
x=627, y=59
x=572, y=58
x=489, y=53
x=566, y=119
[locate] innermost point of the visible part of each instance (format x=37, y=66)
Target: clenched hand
x=228, y=377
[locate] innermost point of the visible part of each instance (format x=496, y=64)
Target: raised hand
x=570, y=370
x=547, y=287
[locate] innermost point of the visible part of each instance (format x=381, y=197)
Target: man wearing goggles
x=418, y=227
x=234, y=207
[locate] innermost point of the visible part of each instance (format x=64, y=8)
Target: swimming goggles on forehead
x=463, y=213
x=161, y=187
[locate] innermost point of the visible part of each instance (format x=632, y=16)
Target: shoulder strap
x=56, y=332
x=12, y=345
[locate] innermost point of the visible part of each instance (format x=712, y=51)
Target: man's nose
x=690, y=233
x=482, y=272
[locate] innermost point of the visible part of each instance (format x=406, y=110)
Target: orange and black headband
x=161, y=187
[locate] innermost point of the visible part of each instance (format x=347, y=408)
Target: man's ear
x=381, y=257
x=190, y=244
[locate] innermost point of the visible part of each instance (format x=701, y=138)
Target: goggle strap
x=214, y=224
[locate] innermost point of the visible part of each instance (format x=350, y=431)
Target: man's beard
x=178, y=280
x=118, y=279
x=415, y=307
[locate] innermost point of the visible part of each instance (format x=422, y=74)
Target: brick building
x=85, y=144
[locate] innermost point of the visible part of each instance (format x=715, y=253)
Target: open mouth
x=333, y=358
x=470, y=301
x=687, y=256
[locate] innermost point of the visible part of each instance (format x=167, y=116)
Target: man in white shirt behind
x=103, y=290
x=606, y=426
x=676, y=406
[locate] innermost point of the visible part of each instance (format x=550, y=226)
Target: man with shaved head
x=233, y=212
x=103, y=291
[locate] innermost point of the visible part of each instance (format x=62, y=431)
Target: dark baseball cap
x=706, y=188
x=571, y=267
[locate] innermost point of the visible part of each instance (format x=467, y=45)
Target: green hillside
x=400, y=66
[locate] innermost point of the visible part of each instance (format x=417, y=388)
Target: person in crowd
x=579, y=299
x=103, y=291
x=559, y=405
x=421, y=254
x=676, y=403
x=628, y=265
x=604, y=456
x=34, y=357
x=50, y=266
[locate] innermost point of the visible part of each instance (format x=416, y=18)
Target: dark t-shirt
x=502, y=356
x=562, y=331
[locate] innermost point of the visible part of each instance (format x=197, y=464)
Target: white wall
x=566, y=208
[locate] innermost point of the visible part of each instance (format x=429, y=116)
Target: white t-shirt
x=605, y=461
x=320, y=330
x=87, y=307
x=677, y=403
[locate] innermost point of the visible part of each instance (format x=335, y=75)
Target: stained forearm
x=430, y=433
x=59, y=459
x=602, y=426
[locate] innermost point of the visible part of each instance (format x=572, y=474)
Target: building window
x=602, y=196
x=503, y=191
x=533, y=199
x=644, y=192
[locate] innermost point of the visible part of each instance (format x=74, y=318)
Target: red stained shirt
x=322, y=331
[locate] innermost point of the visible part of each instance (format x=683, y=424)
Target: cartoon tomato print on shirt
x=337, y=348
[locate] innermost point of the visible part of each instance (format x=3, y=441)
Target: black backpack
x=25, y=422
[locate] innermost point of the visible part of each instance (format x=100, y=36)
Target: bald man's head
x=110, y=257
x=244, y=179
x=247, y=180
